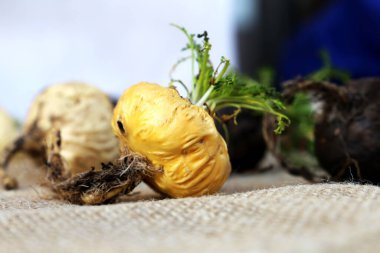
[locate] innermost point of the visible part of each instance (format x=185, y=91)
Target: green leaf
x=327, y=72
x=221, y=87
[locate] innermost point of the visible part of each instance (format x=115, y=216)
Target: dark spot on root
x=59, y=140
x=121, y=127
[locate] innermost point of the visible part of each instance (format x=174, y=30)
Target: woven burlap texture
x=295, y=218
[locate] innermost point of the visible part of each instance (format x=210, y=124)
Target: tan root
x=27, y=143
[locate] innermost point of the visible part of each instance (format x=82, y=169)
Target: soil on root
x=95, y=186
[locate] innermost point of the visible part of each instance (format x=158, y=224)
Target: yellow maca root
x=179, y=138
x=171, y=143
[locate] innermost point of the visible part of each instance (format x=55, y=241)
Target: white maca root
x=83, y=114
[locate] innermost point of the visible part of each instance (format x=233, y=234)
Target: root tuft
x=95, y=187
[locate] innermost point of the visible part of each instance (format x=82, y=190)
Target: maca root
x=7, y=181
x=345, y=131
x=28, y=143
x=335, y=99
x=95, y=187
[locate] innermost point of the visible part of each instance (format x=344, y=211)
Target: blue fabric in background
x=349, y=30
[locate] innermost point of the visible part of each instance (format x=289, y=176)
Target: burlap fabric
x=254, y=213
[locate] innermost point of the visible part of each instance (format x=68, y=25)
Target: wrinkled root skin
x=347, y=132
x=95, y=187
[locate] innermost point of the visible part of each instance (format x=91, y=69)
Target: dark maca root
x=96, y=187
x=346, y=131
x=332, y=96
x=313, y=175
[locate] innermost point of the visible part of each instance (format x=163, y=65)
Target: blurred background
x=116, y=43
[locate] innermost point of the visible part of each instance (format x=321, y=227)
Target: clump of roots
x=95, y=187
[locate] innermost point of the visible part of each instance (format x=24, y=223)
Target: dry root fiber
x=95, y=186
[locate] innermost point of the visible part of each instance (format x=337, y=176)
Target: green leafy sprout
x=302, y=115
x=328, y=71
x=220, y=87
